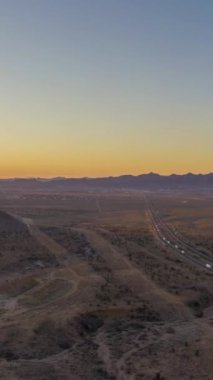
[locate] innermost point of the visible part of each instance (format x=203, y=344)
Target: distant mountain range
x=149, y=181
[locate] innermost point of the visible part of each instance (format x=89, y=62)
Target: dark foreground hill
x=10, y=225
x=149, y=181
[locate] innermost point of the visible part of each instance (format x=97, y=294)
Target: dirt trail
x=111, y=255
x=135, y=279
x=104, y=352
x=98, y=206
x=65, y=273
x=57, y=250
x=113, y=368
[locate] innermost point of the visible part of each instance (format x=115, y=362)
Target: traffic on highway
x=172, y=239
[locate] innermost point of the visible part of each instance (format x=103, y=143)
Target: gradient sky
x=105, y=87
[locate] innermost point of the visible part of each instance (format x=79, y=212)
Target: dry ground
x=86, y=292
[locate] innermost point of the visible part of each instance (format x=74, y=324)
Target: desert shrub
x=158, y=376
x=90, y=323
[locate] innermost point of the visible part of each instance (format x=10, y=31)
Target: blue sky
x=98, y=87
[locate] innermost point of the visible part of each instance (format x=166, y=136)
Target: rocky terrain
x=88, y=292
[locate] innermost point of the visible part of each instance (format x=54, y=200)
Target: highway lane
x=175, y=242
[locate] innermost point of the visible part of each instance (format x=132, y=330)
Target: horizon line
x=101, y=177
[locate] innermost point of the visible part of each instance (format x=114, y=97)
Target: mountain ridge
x=147, y=181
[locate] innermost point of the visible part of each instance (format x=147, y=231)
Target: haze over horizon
x=107, y=177
x=94, y=89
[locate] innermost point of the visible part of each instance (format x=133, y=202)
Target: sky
x=105, y=87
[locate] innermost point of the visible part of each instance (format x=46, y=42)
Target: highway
x=173, y=241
